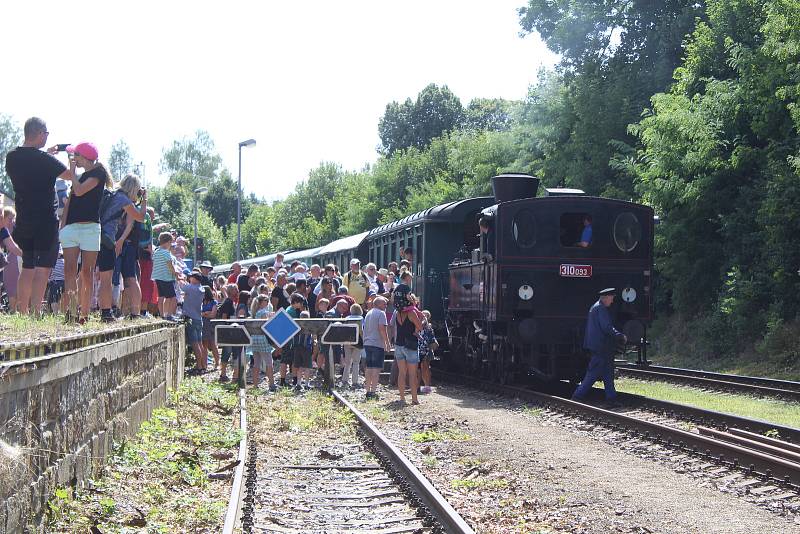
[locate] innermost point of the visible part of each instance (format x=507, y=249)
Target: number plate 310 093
x=575, y=271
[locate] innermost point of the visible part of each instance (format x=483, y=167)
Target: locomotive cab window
x=523, y=229
x=627, y=231
x=575, y=230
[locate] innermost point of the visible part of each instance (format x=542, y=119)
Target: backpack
x=107, y=217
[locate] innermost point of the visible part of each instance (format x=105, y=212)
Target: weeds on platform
x=428, y=435
x=16, y=328
x=160, y=480
x=772, y=410
x=479, y=483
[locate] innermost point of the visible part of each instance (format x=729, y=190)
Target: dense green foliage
x=10, y=137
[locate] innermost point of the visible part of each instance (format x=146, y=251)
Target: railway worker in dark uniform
x=600, y=340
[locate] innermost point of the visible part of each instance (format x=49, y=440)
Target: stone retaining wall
x=60, y=415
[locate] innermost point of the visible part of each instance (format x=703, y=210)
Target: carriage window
x=627, y=231
x=575, y=230
x=524, y=229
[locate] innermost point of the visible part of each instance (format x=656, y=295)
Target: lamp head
x=249, y=142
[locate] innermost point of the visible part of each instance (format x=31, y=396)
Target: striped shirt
x=58, y=271
x=161, y=259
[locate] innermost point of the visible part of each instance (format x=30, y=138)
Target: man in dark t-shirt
x=279, y=296
x=33, y=174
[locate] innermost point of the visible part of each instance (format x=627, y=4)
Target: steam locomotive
x=517, y=305
x=508, y=280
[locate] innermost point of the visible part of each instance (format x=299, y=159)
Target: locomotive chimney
x=507, y=187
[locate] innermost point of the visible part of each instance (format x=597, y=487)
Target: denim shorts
x=194, y=330
x=129, y=266
x=375, y=357
x=85, y=236
x=409, y=355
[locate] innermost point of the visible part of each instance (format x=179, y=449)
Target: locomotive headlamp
x=629, y=294
x=525, y=292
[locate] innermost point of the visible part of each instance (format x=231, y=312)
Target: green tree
x=615, y=55
x=495, y=114
x=220, y=201
x=10, y=137
x=120, y=161
x=414, y=124
x=194, y=156
x=718, y=163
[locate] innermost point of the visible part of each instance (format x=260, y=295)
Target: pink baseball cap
x=85, y=149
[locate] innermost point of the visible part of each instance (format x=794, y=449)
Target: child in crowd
x=352, y=353
x=427, y=346
x=297, y=305
x=55, y=285
x=262, y=349
x=193, y=296
x=165, y=276
x=242, y=312
x=227, y=310
x=209, y=312
x=304, y=350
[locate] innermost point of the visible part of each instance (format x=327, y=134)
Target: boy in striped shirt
x=164, y=276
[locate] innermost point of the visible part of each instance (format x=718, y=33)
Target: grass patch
x=533, y=411
x=479, y=483
x=439, y=435
x=16, y=328
x=376, y=412
x=318, y=411
x=430, y=462
x=772, y=410
x=159, y=481
x=470, y=461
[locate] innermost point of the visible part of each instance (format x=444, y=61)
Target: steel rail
x=764, y=439
x=449, y=519
x=745, y=384
x=234, y=511
x=702, y=416
x=773, y=450
x=757, y=462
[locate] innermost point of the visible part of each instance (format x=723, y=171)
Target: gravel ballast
x=507, y=470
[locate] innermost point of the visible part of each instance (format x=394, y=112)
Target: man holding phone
x=33, y=174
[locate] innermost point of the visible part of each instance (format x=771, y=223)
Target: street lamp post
x=249, y=142
x=197, y=192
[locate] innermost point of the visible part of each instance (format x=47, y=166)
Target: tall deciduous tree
x=120, y=161
x=10, y=137
x=414, y=124
x=194, y=156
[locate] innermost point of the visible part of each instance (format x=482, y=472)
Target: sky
x=309, y=81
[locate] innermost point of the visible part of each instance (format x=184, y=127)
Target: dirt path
x=510, y=471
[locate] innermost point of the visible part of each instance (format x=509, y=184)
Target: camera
x=62, y=147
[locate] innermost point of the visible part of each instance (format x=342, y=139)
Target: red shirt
x=232, y=278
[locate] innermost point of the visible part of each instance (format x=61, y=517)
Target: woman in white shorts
x=80, y=227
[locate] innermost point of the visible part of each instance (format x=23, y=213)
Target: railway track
x=767, y=387
x=360, y=485
x=731, y=442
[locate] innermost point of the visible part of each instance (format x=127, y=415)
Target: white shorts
x=85, y=236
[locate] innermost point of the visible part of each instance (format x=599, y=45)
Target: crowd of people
x=76, y=241
x=391, y=317
x=79, y=242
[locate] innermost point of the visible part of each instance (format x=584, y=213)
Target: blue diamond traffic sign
x=281, y=328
